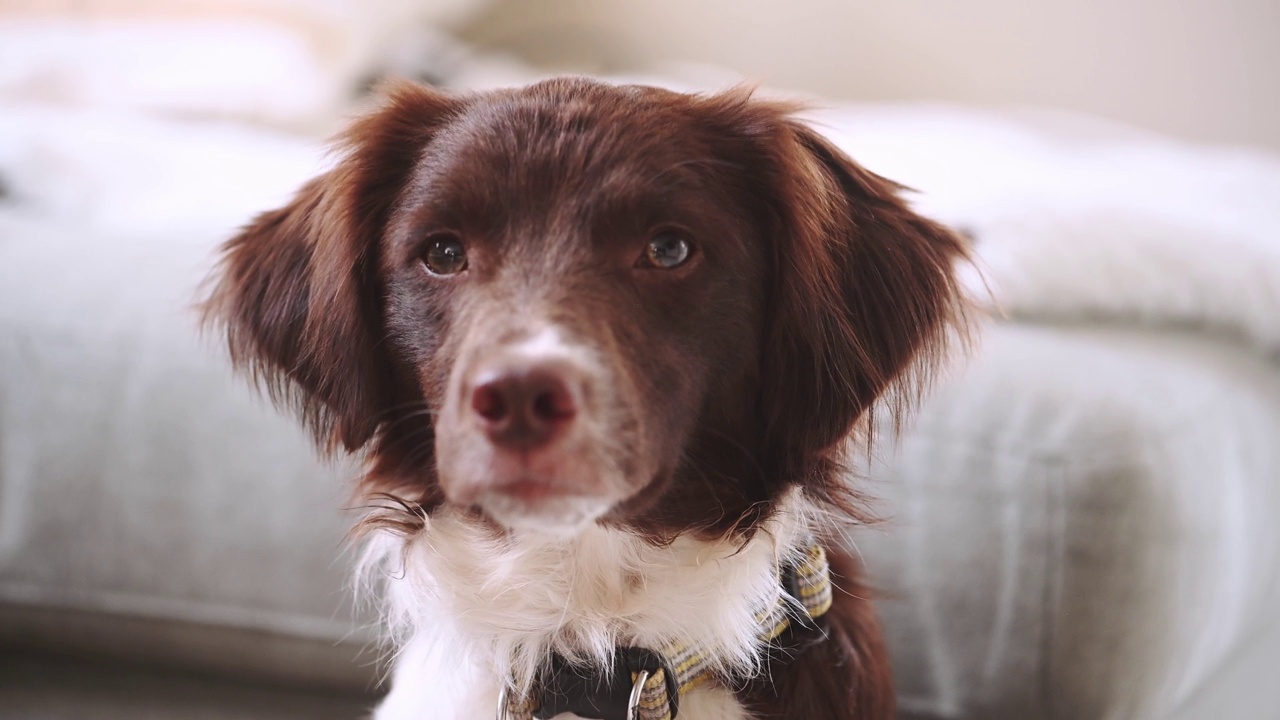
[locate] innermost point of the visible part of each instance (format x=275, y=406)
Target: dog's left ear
x=296, y=293
x=864, y=294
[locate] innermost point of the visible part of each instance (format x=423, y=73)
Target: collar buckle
x=633, y=700
x=613, y=695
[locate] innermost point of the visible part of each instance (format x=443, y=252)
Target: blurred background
x=1081, y=520
x=1202, y=70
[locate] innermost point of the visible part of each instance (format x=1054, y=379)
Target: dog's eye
x=445, y=255
x=667, y=249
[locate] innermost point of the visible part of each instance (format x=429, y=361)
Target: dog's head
x=578, y=302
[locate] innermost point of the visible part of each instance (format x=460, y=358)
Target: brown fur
x=817, y=295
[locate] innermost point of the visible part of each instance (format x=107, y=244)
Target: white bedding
x=1078, y=219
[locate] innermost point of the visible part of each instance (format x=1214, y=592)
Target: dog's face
x=572, y=282
x=577, y=302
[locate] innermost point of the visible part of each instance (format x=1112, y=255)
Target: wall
x=1203, y=69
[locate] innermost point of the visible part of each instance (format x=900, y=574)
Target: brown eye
x=668, y=249
x=445, y=255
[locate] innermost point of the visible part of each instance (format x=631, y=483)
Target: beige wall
x=1205, y=69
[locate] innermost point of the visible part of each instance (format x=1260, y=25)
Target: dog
x=605, y=351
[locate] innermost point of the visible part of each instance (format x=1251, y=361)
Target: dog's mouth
x=531, y=506
x=558, y=489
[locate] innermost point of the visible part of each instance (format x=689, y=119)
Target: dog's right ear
x=297, y=292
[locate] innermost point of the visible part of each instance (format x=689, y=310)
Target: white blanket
x=1080, y=220
x=1075, y=219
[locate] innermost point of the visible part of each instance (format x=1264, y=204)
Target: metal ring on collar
x=503, y=714
x=637, y=689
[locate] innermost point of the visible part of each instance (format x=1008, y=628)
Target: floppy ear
x=297, y=292
x=864, y=295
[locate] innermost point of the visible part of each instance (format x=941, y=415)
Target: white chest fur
x=467, y=608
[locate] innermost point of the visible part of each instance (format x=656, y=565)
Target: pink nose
x=525, y=408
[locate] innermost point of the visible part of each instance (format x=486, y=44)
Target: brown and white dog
x=602, y=348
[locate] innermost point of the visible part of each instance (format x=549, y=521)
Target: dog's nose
x=526, y=407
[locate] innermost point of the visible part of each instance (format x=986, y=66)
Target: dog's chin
x=561, y=516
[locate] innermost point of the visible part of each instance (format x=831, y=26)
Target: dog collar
x=645, y=684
